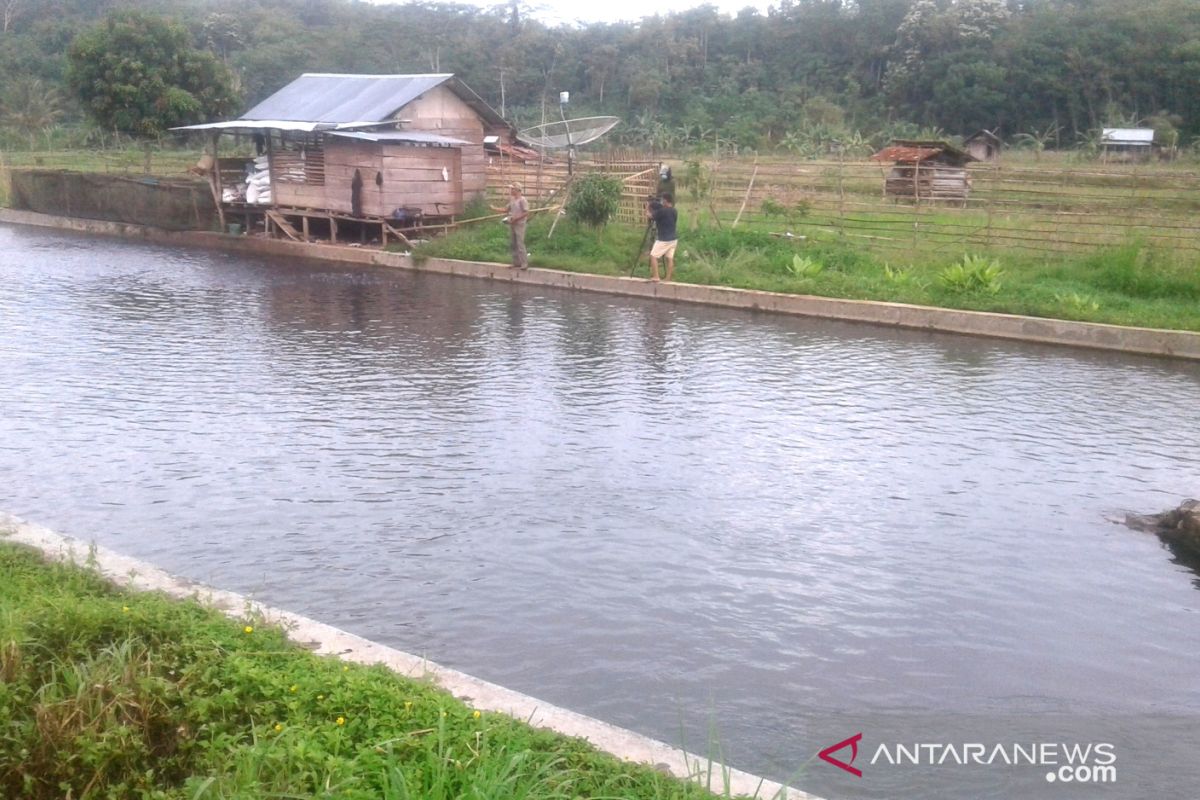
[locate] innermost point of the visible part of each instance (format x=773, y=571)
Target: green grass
x=1134, y=284
x=106, y=693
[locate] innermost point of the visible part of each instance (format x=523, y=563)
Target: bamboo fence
x=1040, y=210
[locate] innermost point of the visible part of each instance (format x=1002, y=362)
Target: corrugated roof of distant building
x=1127, y=136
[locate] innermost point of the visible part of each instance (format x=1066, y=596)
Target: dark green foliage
x=594, y=199
x=138, y=74
x=800, y=77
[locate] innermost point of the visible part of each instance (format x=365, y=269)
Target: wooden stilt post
x=271, y=167
x=215, y=180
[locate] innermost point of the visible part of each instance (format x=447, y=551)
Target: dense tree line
x=807, y=73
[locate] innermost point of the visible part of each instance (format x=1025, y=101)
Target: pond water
x=677, y=519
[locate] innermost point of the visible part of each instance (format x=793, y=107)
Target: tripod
x=642, y=247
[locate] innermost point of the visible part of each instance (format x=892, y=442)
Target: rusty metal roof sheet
x=906, y=153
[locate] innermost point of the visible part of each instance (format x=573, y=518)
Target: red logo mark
x=852, y=742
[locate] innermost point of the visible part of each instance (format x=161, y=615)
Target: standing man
x=665, y=218
x=518, y=212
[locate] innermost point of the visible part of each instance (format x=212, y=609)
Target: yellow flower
x=443, y=714
x=345, y=669
x=341, y=720
x=408, y=705
x=320, y=697
x=293, y=688
x=278, y=728
x=125, y=609
x=248, y=629
x=476, y=715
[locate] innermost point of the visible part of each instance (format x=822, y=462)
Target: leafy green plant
x=594, y=199
x=900, y=276
x=972, y=274
x=805, y=268
x=1077, y=303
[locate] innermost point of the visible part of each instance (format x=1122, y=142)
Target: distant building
x=984, y=145
x=926, y=170
x=1126, y=144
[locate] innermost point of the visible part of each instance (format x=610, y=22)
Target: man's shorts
x=662, y=249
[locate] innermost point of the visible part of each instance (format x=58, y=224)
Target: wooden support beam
x=283, y=225
x=388, y=229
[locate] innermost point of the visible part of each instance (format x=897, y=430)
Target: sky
x=557, y=12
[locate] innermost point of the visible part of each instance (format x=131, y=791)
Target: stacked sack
x=258, y=182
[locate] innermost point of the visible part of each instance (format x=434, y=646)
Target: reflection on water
x=646, y=512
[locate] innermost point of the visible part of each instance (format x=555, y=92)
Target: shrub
x=594, y=199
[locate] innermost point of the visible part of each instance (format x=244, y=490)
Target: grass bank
x=106, y=693
x=1135, y=284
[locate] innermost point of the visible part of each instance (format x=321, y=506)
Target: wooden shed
x=926, y=170
x=398, y=150
x=984, y=145
x=1127, y=144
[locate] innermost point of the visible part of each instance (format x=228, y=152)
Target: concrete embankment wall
x=1146, y=341
x=179, y=205
x=328, y=640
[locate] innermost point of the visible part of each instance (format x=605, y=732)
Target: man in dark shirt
x=665, y=217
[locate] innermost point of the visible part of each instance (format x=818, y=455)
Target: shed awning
x=404, y=137
x=277, y=125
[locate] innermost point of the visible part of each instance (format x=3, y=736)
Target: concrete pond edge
x=1093, y=335
x=327, y=640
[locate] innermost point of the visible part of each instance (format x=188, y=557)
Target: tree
x=9, y=9
x=138, y=74
x=30, y=107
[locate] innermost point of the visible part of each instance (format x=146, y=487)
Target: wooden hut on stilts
x=339, y=155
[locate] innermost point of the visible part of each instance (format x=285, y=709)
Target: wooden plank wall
x=442, y=112
x=411, y=177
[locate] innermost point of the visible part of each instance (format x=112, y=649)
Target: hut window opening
x=300, y=160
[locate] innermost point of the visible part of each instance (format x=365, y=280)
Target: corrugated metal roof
x=1127, y=136
x=254, y=125
x=412, y=137
x=319, y=97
